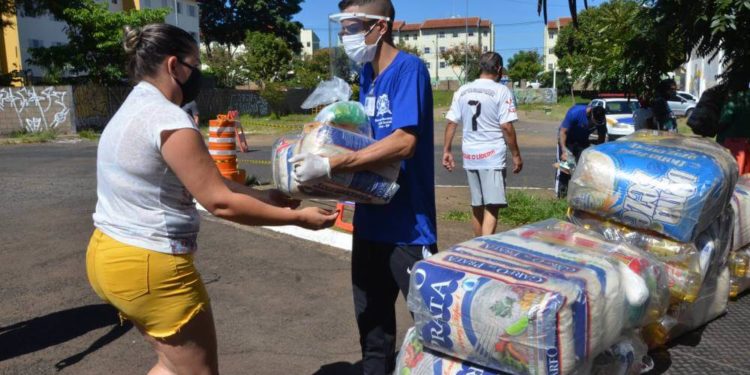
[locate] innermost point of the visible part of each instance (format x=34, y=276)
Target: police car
x=619, y=112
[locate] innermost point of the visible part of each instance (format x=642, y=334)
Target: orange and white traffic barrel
x=222, y=146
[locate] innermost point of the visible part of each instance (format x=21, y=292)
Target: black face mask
x=192, y=86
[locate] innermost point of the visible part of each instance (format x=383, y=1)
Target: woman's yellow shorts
x=158, y=292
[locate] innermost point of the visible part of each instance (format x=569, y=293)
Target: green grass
x=89, y=134
x=682, y=127
x=269, y=124
x=442, y=98
x=23, y=136
x=523, y=208
x=454, y=215
x=553, y=112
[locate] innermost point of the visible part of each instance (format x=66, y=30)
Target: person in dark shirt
x=574, y=136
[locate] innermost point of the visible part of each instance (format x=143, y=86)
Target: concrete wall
x=36, y=108
x=527, y=96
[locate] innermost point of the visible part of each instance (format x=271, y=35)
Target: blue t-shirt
x=403, y=99
x=579, y=128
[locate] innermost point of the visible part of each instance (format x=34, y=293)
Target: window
x=551, y=51
x=164, y=4
x=191, y=10
x=471, y=33
x=415, y=36
x=442, y=64
x=550, y=66
x=455, y=34
x=552, y=35
x=441, y=34
x=114, y=1
x=485, y=49
x=427, y=50
x=442, y=49
x=428, y=65
x=147, y=3
x=485, y=33
x=179, y=7
x=36, y=43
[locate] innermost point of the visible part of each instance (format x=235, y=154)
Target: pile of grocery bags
x=650, y=251
x=339, y=128
x=739, y=258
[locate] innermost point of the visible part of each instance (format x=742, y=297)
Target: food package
x=349, y=115
x=645, y=278
x=375, y=187
x=684, y=317
x=682, y=260
x=540, y=296
x=741, y=207
x=739, y=270
x=415, y=359
x=664, y=182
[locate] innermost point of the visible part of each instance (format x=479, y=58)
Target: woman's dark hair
x=147, y=47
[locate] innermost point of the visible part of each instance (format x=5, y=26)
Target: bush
x=274, y=94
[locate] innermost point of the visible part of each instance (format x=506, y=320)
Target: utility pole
x=437, y=59
x=176, y=21
x=466, y=43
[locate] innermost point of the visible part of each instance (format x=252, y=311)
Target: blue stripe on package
x=667, y=183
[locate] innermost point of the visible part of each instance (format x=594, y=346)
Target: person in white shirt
x=486, y=110
x=151, y=162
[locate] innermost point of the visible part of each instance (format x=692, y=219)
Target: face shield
x=346, y=33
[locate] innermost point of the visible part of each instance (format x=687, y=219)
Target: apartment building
x=46, y=31
x=310, y=42
x=551, y=33
x=434, y=36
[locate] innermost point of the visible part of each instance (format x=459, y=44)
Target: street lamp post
x=466, y=43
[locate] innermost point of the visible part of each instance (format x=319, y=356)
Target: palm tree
x=542, y=6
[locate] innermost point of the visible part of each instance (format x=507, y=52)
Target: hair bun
x=132, y=39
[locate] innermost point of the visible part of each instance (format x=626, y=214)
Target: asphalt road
x=536, y=141
x=282, y=305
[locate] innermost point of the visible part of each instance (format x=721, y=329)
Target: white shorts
x=487, y=187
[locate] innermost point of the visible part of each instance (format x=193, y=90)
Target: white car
x=619, y=113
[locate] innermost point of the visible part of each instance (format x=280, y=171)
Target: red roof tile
x=397, y=25
x=411, y=27
x=442, y=23
x=564, y=21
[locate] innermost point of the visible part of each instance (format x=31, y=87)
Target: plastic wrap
x=739, y=271
x=549, y=296
x=671, y=184
x=349, y=115
x=415, y=359
x=682, y=260
x=627, y=357
x=684, y=317
x=741, y=207
x=374, y=187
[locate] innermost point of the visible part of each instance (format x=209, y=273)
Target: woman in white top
x=151, y=162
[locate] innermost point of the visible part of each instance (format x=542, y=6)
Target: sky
x=517, y=25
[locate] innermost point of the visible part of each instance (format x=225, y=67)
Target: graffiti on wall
x=35, y=108
x=528, y=96
x=249, y=103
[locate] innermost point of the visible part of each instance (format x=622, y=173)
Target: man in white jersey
x=486, y=110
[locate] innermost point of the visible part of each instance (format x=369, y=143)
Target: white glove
x=310, y=167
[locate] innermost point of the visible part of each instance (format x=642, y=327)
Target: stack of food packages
x=546, y=298
x=339, y=128
x=739, y=258
x=668, y=195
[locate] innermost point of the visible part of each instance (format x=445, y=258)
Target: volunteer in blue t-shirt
x=388, y=239
x=574, y=136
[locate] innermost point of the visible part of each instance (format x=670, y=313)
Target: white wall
x=310, y=42
x=42, y=30
x=180, y=13
x=549, y=43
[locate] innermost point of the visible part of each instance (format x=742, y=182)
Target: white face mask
x=356, y=48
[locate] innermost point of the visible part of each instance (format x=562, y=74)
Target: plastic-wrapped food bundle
x=741, y=207
x=739, y=270
x=546, y=288
x=472, y=309
x=671, y=184
x=684, y=317
x=374, y=187
x=682, y=260
x=645, y=278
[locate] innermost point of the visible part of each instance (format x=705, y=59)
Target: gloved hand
x=310, y=167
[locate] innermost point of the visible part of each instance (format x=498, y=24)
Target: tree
x=310, y=70
x=36, y=7
x=601, y=52
x=227, y=22
x=408, y=48
x=94, y=41
x=705, y=27
x=572, y=5
x=525, y=65
x=267, y=58
x=457, y=57
x=224, y=67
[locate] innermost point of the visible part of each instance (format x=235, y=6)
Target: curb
x=328, y=237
